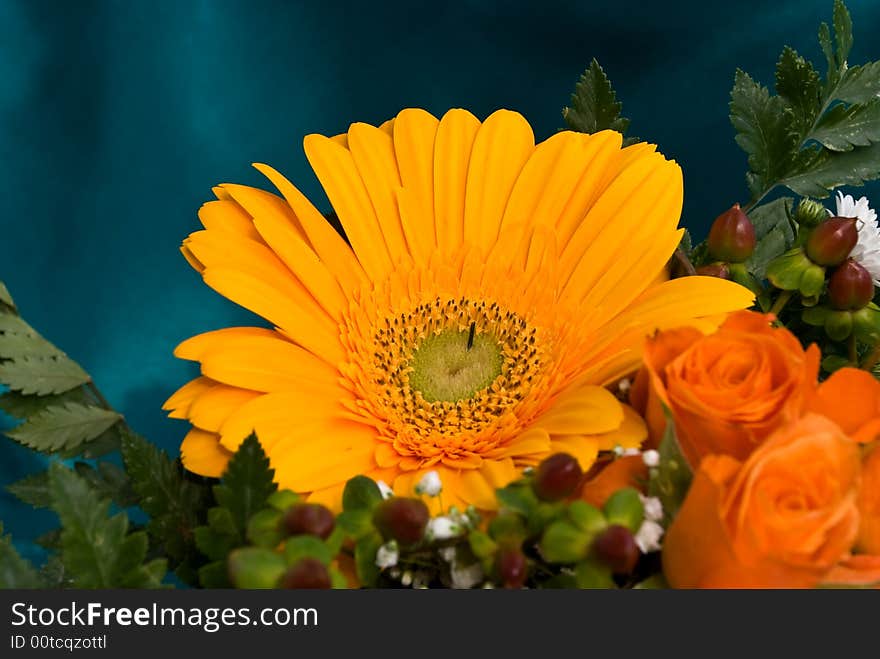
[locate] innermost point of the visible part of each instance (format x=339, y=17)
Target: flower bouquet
x=498, y=363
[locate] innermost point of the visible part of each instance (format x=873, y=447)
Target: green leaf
x=63, y=427
x=22, y=406
x=356, y=523
x=762, y=131
x=264, y=528
x=563, y=542
x=214, y=575
x=18, y=339
x=5, y=297
x=246, y=483
x=591, y=574
x=33, y=490
x=95, y=550
x=860, y=84
x=594, y=104
x=842, y=32
x=365, y=559
x=307, y=546
x=361, y=493
x=517, y=497
x=671, y=479
x=15, y=572
x=109, y=481
x=173, y=503
x=825, y=170
x=773, y=215
x=624, y=507
x=828, y=51
x=41, y=376
x=253, y=567
x=842, y=128
x=798, y=83
x=213, y=544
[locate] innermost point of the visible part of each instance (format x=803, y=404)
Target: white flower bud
x=465, y=576
x=443, y=528
x=653, y=508
x=384, y=490
x=651, y=458
x=648, y=537
x=430, y=484
x=387, y=555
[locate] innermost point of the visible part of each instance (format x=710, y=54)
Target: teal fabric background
x=117, y=117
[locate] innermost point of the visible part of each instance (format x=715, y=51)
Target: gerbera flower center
x=454, y=365
x=448, y=373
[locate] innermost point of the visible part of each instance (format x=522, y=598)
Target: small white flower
x=867, y=250
x=624, y=385
x=648, y=537
x=430, y=484
x=465, y=576
x=384, y=490
x=621, y=452
x=448, y=554
x=406, y=579
x=653, y=508
x=651, y=458
x=387, y=555
x=443, y=528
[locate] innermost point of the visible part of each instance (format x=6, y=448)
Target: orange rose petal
x=861, y=570
x=628, y=471
x=869, y=504
x=850, y=398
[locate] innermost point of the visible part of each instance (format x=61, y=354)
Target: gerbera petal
x=503, y=144
x=212, y=407
x=227, y=216
x=587, y=410
x=452, y=153
x=584, y=449
x=338, y=174
x=201, y=453
x=631, y=433
x=414, y=132
x=179, y=403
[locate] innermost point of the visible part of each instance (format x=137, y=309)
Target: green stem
x=780, y=302
x=872, y=359
x=852, y=350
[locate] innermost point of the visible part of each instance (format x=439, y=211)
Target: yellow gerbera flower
x=490, y=289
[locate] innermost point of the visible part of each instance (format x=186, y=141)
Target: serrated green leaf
x=762, y=130
x=109, y=481
x=5, y=297
x=824, y=170
x=22, y=406
x=173, y=503
x=63, y=427
x=797, y=82
x=860, y=84
x=214, y=545
x=842, y=128
x=18, y=339
x=95, y=548
x=768, y=248
x=828, y=50
x=32, y=489
x=15, y=571
x=842, y=31
x=594, y=104
x=671, y=479
x=246, y=483
x=41, y=376
x=772, y=215
x=214, y=575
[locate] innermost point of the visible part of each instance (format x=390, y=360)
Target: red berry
x=556, y=477
x=850, y=287
x=309, y=518
x=832, y=241
x=512, y=568
x=617, y=548
x=402, y=519
x=719, y=270
x=732, y=236
x=306, y=573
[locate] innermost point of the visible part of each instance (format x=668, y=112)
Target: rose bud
x=616, y=547
x=850, y=286
x=309, y=518
x=719, y=270
x=832, y=241
x=732, y=236
x=306, y=573
x=556, y=477
x=402, y=519
x=512, y=568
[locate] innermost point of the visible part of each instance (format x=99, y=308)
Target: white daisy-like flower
x=867, y=250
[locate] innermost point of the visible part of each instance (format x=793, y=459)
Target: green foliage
x=64, y=427
x=671, y=479
x=175, y=505
x=15, y=572
x=97, y=550
x=594, y=105
x=246, y=483
x=813, y=135
x=774, y=232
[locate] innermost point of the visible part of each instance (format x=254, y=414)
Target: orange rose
x=850, y=398
x=869, y=504
x=783, y=518
x=729, y=390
